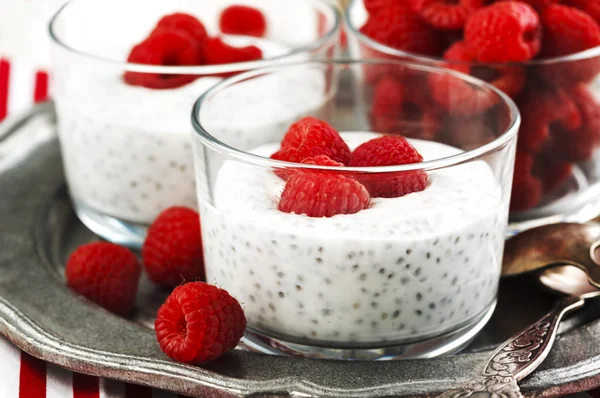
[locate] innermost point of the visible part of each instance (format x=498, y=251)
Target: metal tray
x=38, y=228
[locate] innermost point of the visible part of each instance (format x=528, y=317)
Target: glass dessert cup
x=409, y=276
x=126, y=149
x=558, y=98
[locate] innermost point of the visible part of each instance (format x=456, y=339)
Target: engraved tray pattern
x=41, y=316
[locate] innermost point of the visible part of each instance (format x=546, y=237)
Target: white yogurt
x=405, y=268
x=127, y=150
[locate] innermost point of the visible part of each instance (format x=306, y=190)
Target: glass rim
x=582, y=55
x=333, y=11
x=460, y=158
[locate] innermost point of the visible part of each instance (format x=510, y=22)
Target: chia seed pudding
x=404, y=269
x=127, y=150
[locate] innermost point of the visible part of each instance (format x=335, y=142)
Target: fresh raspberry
x=172, y=251
x=526, y=189
x=508, y=31
x=509, y=79
x=185, y=22
x=106, y=274
x=540, y=5
x=217, y=52
x=401, y=28
x=310, y=137
x=389, y=150
x=446, y=14
x=468, y=133
x=398, y=108
x=545, y=113
x=372, y=6
x=166, y=47
x=199, y=322
x=323, y=195
x=243, y=20
x=552, y=172
x=576, y=145
x=567, y=31
x=458, y=96
x=589, y=107
x=320, y=160
x=590, y=7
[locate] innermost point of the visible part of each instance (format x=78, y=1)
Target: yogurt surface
x=405, y=268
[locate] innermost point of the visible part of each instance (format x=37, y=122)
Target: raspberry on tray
x=106, y=274
x=198, y=323
x=172, y=251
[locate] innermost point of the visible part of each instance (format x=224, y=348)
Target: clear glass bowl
x=559, y=101
x=409, y=276
x=126, y=148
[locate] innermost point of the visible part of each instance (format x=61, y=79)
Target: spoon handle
x=517, y=357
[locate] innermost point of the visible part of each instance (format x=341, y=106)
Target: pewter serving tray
x=38, y=229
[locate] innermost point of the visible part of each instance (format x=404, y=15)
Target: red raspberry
x=446, y=14
x=590, y=7
x=552, y=172
x=398, y=108
x=468, y=133
x=310, y=137
x=172, y=251
x=539, y=5
x=217, y=52
x=589, y=107
x=243, y=20
x=320, y=160
x=389, y=150
x=373, y=6
x=575, y=145
x=526, y=189
x=323, y=195
x=508, y=31
x=509, y=79
x=567, y=31
x=458, y=96
x=545, y=112
x=164, y=47
x=106, y=274
x=185, y=22
x=199, y=322
x=401, y=28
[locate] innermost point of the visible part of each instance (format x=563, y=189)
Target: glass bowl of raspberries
x=341, y=241
x=544, y=54
x=126, y=75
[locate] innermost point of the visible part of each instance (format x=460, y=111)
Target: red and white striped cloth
x=21, y=375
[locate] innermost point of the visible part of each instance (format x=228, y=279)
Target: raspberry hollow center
x=531, y=35
x=182, y=327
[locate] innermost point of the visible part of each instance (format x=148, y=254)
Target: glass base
x=112, y=229
x=577, y=201
x=448, y=343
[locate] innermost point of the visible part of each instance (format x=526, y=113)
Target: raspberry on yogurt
x=404, y=268
x=127, y=149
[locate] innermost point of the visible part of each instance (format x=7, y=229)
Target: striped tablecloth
x=21, y=375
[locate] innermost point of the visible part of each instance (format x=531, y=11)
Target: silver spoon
x=523, y=353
